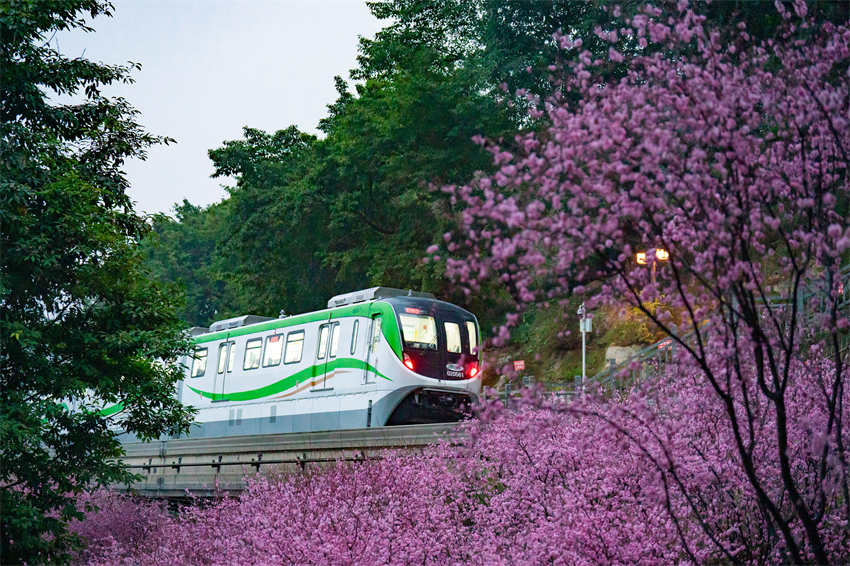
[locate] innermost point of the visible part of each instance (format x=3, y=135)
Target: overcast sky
x=210, y=67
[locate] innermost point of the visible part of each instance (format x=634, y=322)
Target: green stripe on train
x=289, y=381
x=108, y=411
x=389, y=326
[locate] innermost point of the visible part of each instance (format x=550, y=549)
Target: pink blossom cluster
x=649, y=478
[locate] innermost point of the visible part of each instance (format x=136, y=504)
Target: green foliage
x=263, y=160
x=81, y=324
x=549, y=340
x=185, y=248
x=275, y=224
x=385, y=150
x=256, y=251
x=493, y=42
x=630, y=327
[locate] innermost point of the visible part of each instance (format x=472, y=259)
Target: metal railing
x=210, y=467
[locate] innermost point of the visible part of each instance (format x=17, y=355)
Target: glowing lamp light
x=660, y=255
x=408, y=363
x=473, y=371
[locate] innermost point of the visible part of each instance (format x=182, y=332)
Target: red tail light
x=473, y=370
x=408, y=362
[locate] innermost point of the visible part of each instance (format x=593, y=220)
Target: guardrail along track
x=206, y=467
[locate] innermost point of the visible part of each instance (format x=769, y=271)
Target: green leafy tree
x=260, y=249
x=481, y=51
x=86, y=339
x=276, y=229
x=386, y=149
x=492, y=42
x=183, y=251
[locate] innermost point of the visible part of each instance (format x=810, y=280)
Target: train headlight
x=408, y=362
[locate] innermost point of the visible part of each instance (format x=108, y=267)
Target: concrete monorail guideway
x=207, y=467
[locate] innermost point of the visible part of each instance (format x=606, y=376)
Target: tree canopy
x=87, y=339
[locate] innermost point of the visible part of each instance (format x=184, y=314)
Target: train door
x=333, y=352
x=374, y=340
x=226, y=354
x=326, y=350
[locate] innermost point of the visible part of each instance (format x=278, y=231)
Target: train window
x=225, y=357
x=354, y=336
x=452, y=337
x=199, y=362
x=419, y=331
x=294, y=347
x=253, y=351
x=334, y=340
x=323, y=341
x=274, y=350
x=376, y=331
x=473, y=337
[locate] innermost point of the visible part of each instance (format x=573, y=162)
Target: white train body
x=374, y=358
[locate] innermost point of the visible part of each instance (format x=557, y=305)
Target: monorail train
x=375, y=357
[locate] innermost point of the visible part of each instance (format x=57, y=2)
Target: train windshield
x=440, y=340
x=419, y=331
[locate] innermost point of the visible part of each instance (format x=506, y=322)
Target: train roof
x=373, y=294
x=237, y=321
x=247, y=324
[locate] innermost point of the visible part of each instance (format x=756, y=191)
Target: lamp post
x=658, y=254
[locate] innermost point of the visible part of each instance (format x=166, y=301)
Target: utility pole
x=585, y=325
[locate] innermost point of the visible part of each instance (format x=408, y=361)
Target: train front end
x=441, y=359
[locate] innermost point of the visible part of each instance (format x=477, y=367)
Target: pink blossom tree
x=581, y=483
x=731, y=155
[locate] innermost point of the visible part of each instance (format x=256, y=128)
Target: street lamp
x=658, y=254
